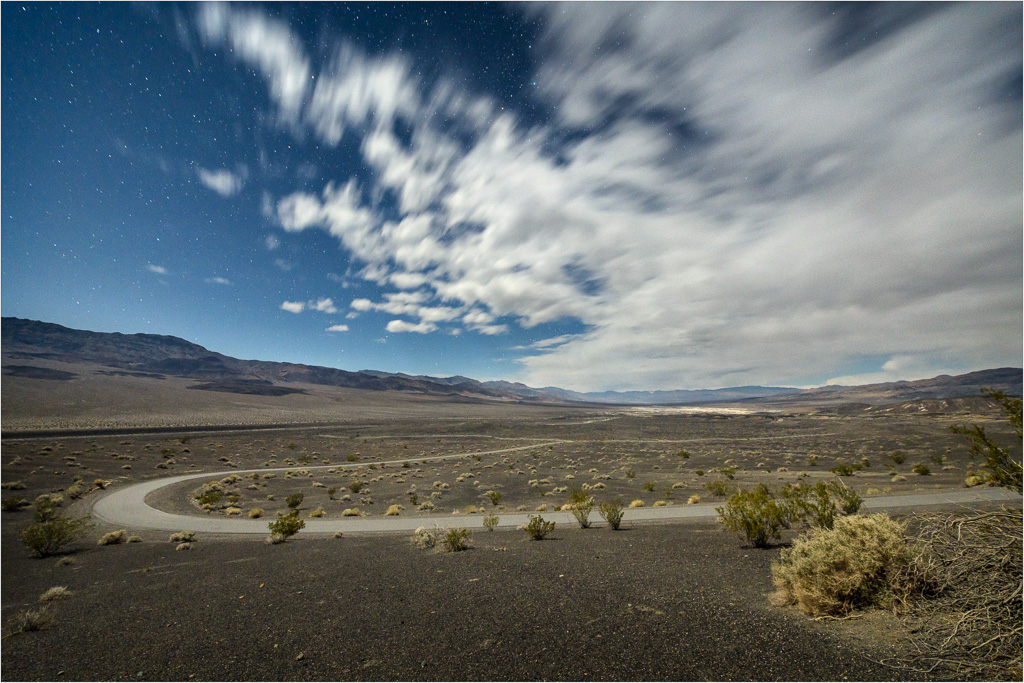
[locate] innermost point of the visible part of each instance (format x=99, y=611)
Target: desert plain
x=656, y=600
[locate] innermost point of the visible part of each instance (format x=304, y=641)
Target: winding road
x=128, y=507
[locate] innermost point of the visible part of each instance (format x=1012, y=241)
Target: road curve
x=127, y=507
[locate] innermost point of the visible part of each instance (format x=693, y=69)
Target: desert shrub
x=455, y=540
x=426, y=538
x=53, y=533
x=208, y=497
x=255, y=513
x=537, y=528
x=860, y=562
x=812, y=460
x=757, y=515
x=650, y=485
x=355, y=486
x=1002, y=468
x=55, y=593
x=636, y=504
x=31, y=620
x=113, y=538
x=693, y=500
x=76, y=491
x=495, y=497
x=966, y=618
x=819, y=505
x=842, y=470
x=630, y=473
x=13, y=486
x=294, y=501
x=319, y=512
x=922, y=469
x=13, y=504
x=700, y=473
x=393, y=511
x=134, y=538
x=351, y=512
x=898, y=457
x=182, y=537
x=612, y=513
x=425, y=505
x=490, y=521
x=287, y=525
x=728, y=472
x=684, y=454
x=580, y=505
x=233, y=511
x=331, y=491
x=718, y=487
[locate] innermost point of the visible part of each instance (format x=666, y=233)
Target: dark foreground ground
x=672, y=602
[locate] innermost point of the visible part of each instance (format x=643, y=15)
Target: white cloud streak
x=222, y=181
x=159, y=270
x=338, y=328
x=758, y=206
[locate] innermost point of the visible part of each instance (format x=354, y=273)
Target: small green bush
x=580, y=505
x=287, y=526
x=756, y=515
x=113, y=538
x=211, y=497
x=13, y=504
x=294, y=501
x=922, y=469
x=630, y=473
x=857, y=563
x=50, y=536
x=182, y=537
x=898, y=457
x=842, y=470
x=612, y=513
x=495, y=497
x=490, y=521
x=537, y=528
x=355, y=486
x=650, y=485
x=684, y=454
x=718, y=487
x=455, y=540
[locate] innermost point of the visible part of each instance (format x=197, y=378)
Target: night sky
x=594, y=196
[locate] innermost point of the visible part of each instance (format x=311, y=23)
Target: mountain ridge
x=159, y=355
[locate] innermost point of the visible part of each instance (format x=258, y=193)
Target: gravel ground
x=659, y=602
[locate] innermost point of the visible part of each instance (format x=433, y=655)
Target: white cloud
x=272, y=242
x=403, y=326
x=222, y=181
x=264, y=43
x=338, y=328
x=159, y=270
x=293, y=306
x=759, y=206
x=323, y=305
x=218, y=281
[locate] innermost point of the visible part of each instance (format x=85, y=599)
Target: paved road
x=127, y=507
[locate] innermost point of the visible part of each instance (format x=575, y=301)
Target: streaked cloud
x=159, y=270
x=729, y=195
x=218, y=281
x=338, y=328
x=222, y=181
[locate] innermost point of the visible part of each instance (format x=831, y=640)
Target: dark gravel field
x=669, y=602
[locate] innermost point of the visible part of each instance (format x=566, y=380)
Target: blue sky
x=594, y=196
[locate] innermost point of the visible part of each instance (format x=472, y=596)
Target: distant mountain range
x=158, y=356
